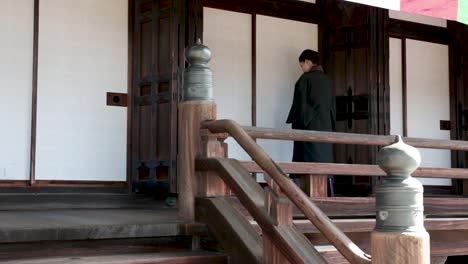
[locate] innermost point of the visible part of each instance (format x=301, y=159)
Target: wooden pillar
x=400, y=247
x=191, y=115
x=209, y=182
x=280, y=209
x=399, y=235
x=315, y=185
x=197, y=106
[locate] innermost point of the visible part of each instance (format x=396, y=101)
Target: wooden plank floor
x=153, y=258
x=188, y=257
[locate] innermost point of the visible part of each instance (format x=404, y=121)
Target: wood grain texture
x=344, y=138
x=317, y=169
x=251, y=196
x=310, y=210
x=404, y=248
x=279, y=207
x=191, y=114
x=236, y=235
x=365, y=207
x=209, y=183
x=315, y=185
x=144, y=258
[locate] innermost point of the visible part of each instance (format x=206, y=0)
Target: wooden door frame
x=404, y=30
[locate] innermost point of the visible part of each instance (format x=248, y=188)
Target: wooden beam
x=342, y=138
x=365, y=207
x=367, y=225
x=287, y=9
x=354, y=169
x=405, y=29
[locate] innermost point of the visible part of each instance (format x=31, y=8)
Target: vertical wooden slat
x=254, y=69
x=136, y=108
x=131, y=21
x=279, y=208
x=155, y=72
x=209, y=182
x=404, y=87
x=32, y=170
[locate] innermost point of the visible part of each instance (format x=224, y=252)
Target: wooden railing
x=336, y=237
x=347, y=206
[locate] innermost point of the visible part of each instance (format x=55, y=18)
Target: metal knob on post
x=198, y=77
x=399, y=235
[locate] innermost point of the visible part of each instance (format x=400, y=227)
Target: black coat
x=313, y=108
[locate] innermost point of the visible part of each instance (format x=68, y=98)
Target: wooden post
x=399, y=235
x=191, y=114
x=197, y=106
x=209, y=183
x=315, y=185
x=280, y=209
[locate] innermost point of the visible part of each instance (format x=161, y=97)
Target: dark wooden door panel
x=348, y=64
x=155, y=91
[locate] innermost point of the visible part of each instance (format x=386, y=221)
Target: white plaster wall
x=428, y=100
x=229, y=36
x=379, y=3
x=396, y=91
x=82, y=55
x=434, y=21
x=16, y=55
x=279, y=44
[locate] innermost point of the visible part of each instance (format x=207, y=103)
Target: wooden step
x=54, y=201
x=86, y=224
x=188, y=257
x=118, y=251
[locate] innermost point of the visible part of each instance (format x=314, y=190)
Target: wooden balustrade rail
x=342, y=243
x=343, y=138
x=354, y=169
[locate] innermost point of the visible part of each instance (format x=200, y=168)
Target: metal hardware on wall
x=445, y=125
x=352, y=107
x=349, y=107
x=117, y=99
x=464, y=115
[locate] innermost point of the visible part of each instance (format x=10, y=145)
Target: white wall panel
x=279, y=44
x=82, y=55
x=428, y=100
x=434, y=21
x=396, y=91
x=16, y=53
x=229, y=36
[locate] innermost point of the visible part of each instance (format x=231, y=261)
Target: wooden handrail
x=346, y=138
x=251, y=196
x=355, y=169
x=342, y=243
